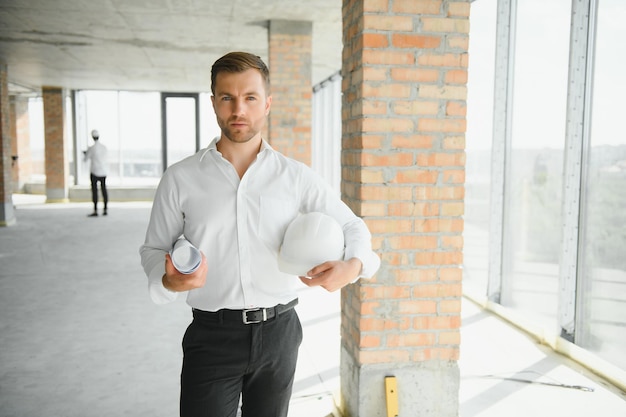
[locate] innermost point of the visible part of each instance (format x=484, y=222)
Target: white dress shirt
x=97, y=153
x=239, y=225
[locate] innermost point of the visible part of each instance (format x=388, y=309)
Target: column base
x=424, y=389
x=7, y=215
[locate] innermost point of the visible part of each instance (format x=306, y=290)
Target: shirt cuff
x=158, y=293
x=370, y=263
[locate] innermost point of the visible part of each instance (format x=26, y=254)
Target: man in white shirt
x=97, y=155
x=234, y=200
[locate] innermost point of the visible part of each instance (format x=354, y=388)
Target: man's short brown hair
x=234, y=62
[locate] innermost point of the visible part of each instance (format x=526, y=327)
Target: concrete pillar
x=404, y=96
x=7, y=214
x=55, y=156
x=290, y=68
x=20, y=142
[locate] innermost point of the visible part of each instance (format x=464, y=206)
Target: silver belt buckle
x=244, y=313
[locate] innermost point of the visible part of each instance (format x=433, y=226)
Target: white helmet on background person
x=311, y=239
x=95, y=134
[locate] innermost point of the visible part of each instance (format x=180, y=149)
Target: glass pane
x=478, y=145
x=100, y=112
x=69, y=139
x=209, y=128
x=37, y=140
x=602, y=310
x=129, y=124
x=532, y=229
x=326, y=132
x=140, y=154
x=181, y=128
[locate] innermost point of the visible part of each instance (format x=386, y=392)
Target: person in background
x=234, y=201
x=97, y=155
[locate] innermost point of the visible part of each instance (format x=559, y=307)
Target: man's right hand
x=175, y=281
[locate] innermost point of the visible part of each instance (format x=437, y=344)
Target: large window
x=130, y=126
x=478, y=145
x=602, y=273
x=533, y=188
x=180, y=117
x=561, y=221
x=37, y=143
x=326, y=131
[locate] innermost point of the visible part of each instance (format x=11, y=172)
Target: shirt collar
x=213, y=147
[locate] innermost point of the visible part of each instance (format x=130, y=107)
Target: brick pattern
x=23, y=168
x=5, y=139
x=404, y=97
x=13, y=146
x=290, y=48
x=56, y=161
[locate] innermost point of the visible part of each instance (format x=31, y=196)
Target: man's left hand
x=333, y=275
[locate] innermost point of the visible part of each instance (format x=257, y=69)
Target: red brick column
x=7, y=215
x=290, y=69
x=404, y=91
x=20, y=143
x=56, y=164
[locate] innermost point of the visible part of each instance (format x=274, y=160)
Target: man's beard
x=239, y=137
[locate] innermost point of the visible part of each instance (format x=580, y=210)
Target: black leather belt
x=246, y=316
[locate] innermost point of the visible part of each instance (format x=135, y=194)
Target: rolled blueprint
x=185, y=257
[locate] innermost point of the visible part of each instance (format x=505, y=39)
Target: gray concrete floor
x=80, y=336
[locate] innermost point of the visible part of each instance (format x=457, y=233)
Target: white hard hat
x=311, y=239
x=95, y=134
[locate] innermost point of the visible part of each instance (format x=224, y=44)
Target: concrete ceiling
x=149, y=45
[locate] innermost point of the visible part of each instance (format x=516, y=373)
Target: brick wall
x=5, y=160
x=13, y=145
x=404, y=84
x=20, y=133
x=5, y=136
x=7, y=215
x=56, y=161
x=290, y=68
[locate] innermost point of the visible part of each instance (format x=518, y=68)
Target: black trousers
x=94, y=191
x=224, y=360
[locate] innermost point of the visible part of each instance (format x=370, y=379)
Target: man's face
x=241, y=104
